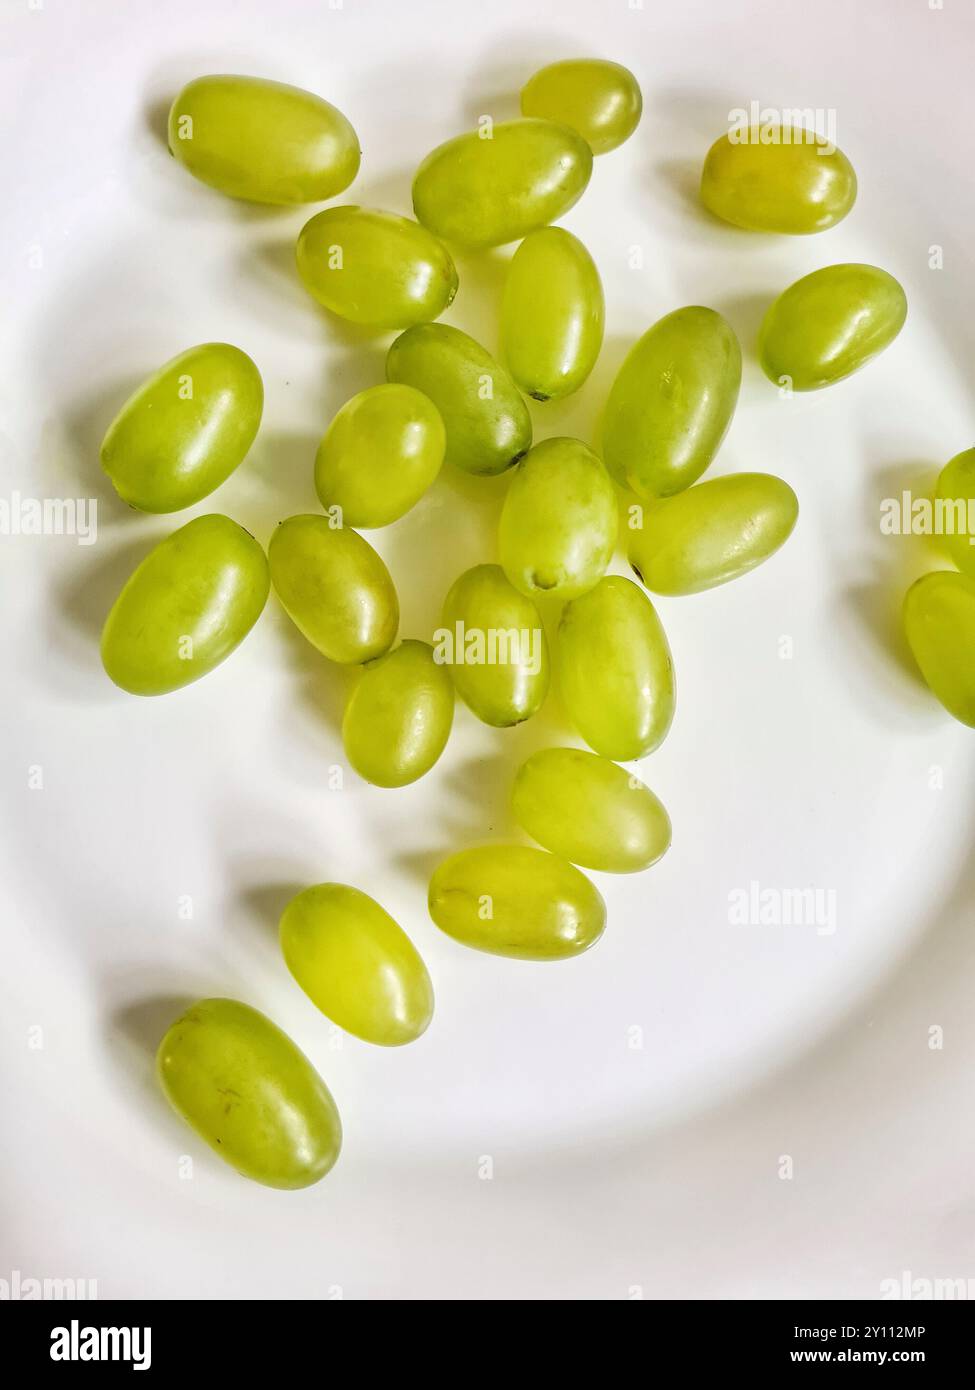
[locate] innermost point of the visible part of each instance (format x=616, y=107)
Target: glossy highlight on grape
x=249, y=1092
x=188, y=605
x=559, y=521
x=186, y=428
x=616, y=672
x=512, y=900
x=335, y=588
x=356, y=964
x=375, y=268
x=599, y=99
x=712, y=533
x=830, y=324
x=778, y=178
x=487, y=422
x=398, y=717
x=672, y=402
x=500, y=182
x=266, y=142
x=552, y=314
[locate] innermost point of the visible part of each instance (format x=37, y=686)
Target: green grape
x=589, y=811
x=830, y=324
x=375, y=268
x=356, y=964
x=616, y=674
x=712, y=533
x=335, y=588
x=185, y=430
x=246, y=1089
x=487, y=422
x=500, y=182
x=956, y=489
x=672, y=402
x=559, y=521
x=191, y=601
x=791, y=181
x=512, y=900
x=381, y=452
x=551, y=314
x=600, y=100
x=397, y=720
x=262, y=141
x=939, y=619
x=495, y=647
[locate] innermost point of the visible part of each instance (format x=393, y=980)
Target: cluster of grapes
x=228, y=1070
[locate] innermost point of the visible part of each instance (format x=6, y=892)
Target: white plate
x=602, y=1128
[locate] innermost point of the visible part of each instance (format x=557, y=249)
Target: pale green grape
x=777, y=179
x=672, y=402
x=830, y=324
x=616, y=674
x=186, y=428
x=262, y=141
x=487, y=422
x=335, y=588
x=512, y=900
x=956, y=489
x=589, y=811
x=551, y=314
x=398, y=717
x=939, y=619
x=559, y=520
x=496, y=647
x=375, y=268
x=601, y=100
x=381, y=452
x=248, y=1091
x=191, y=601
x=500, y=182
x=712, y=533
x=356, y=964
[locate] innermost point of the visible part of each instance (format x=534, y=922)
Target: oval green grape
x=777, y=178
x=559, y=521
x=599, y=99
x=356, y=964
x=185, y=429
x=672, y=402
x=486, y=419
x=589, y=811
x=248, y=1091
x=498, y=183
x=956, y=492
x=830, y=324
x=334, y=588
x=512, y=900
x=375, y=268
x=616, y=673
x=380, y=454
x=939, y=619
x=494, y=647
x=398, y=717
x=191, y=601
x=262, y=141
x=552, y=314
x=712, y=533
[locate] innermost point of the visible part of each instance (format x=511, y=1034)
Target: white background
x=615, y=1169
